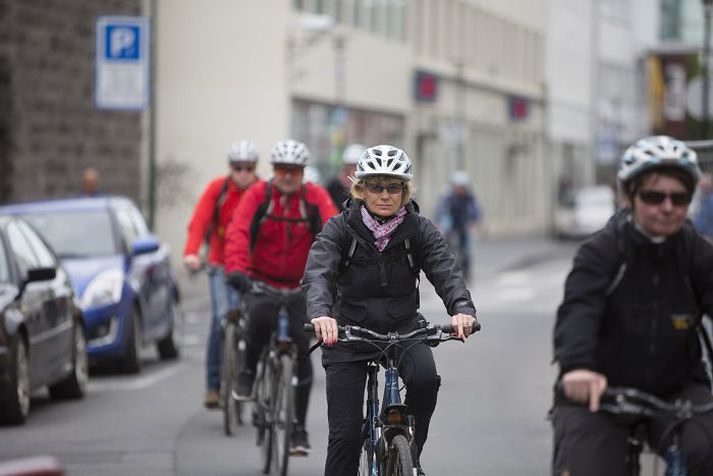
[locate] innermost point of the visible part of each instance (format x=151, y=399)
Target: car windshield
x=76, y=234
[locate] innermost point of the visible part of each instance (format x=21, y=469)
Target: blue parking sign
x=122, y=63
x=123, y=42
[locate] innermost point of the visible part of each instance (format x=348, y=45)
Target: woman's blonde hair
x=358, y=188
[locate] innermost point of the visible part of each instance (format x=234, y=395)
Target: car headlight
x=104, y=289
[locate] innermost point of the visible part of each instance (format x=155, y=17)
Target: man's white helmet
x=289, y=152
x=656, y=152
x=351, y=153
x=460, y=178
x=242, y=151
x=384, y=160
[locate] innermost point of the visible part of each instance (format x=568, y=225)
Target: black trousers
x=345, y=403
x=262, y=321
x=594, y=444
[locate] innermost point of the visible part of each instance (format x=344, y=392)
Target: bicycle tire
x=367, y=459
x=400, y=461
x=284, y=413
x=227, y=381
x=264, y=406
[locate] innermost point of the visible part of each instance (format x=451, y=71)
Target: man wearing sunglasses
x=268, y=240
x=210, y=218
x=631, y=316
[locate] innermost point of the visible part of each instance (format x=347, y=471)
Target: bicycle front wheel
x=227, y=382
x=284, y=412
x=400, y=462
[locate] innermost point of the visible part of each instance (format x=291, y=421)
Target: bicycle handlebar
x=260, y=287
x=347, y=333
x=625, y=400
x=632, y=401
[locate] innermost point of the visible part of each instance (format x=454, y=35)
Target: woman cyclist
x=632, y=306
x=386, y=244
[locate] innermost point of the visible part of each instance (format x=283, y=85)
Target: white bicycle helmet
x=351, y=153
x=656, y=152
x=242, y=151
x=460, y=178
x=289, y=152
x=384, y=160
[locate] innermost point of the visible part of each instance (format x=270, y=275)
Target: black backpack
x=309, y=213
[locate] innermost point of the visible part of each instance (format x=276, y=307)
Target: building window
x=671, y=19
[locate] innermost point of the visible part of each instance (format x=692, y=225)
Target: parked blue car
x=120, y=271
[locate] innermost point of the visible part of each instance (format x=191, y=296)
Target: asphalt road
x=491, y=415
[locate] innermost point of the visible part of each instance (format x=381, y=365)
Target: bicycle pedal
x=299, y=452
x=241, y=398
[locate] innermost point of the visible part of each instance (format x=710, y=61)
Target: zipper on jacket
x=654, y=328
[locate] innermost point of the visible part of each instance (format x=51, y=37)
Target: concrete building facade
x=50, y=129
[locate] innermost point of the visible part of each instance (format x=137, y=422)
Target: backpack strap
x=261, y=214
x=347, y=259
x=222, y=195
x=309, y=213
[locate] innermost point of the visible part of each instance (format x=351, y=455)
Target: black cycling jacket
x=378, y=290
x=641, y=333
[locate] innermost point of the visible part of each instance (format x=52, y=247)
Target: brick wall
x=52, y=130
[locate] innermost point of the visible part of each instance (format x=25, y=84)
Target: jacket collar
x=406, y=229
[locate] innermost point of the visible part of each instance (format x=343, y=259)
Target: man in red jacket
x=268, y=240
x=211, y=217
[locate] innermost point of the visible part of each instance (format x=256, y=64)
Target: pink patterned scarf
x=382, y=231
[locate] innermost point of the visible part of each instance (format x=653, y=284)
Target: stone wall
x=50, y=129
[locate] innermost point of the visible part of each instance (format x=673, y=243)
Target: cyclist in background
x=458, y=214
x=210, y=218
x=630, y=316
x=378, y=290
x=339, y=186
x=268, y=240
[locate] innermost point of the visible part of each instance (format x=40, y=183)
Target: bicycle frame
x=382, y=424
x=277, y=373
x=389, y=429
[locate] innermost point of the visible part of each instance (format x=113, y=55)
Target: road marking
x=134, y=383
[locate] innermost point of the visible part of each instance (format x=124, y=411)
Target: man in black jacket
x=632, y=306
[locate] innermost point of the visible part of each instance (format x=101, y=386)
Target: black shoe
x=299, y=442
x=244, y=390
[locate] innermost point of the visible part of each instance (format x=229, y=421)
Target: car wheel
x=75, y=384
x=170, y=346
x=15, y=409
x=133, y=343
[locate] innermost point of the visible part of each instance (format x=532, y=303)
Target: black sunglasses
x=240, y=168
x=653, y=197
x=392, y=188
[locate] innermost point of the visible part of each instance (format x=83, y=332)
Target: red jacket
x=202, y=219
x=281, y=247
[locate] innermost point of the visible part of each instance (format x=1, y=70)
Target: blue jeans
x=223, y=298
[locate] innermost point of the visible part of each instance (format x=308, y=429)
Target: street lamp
x=708, y=10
